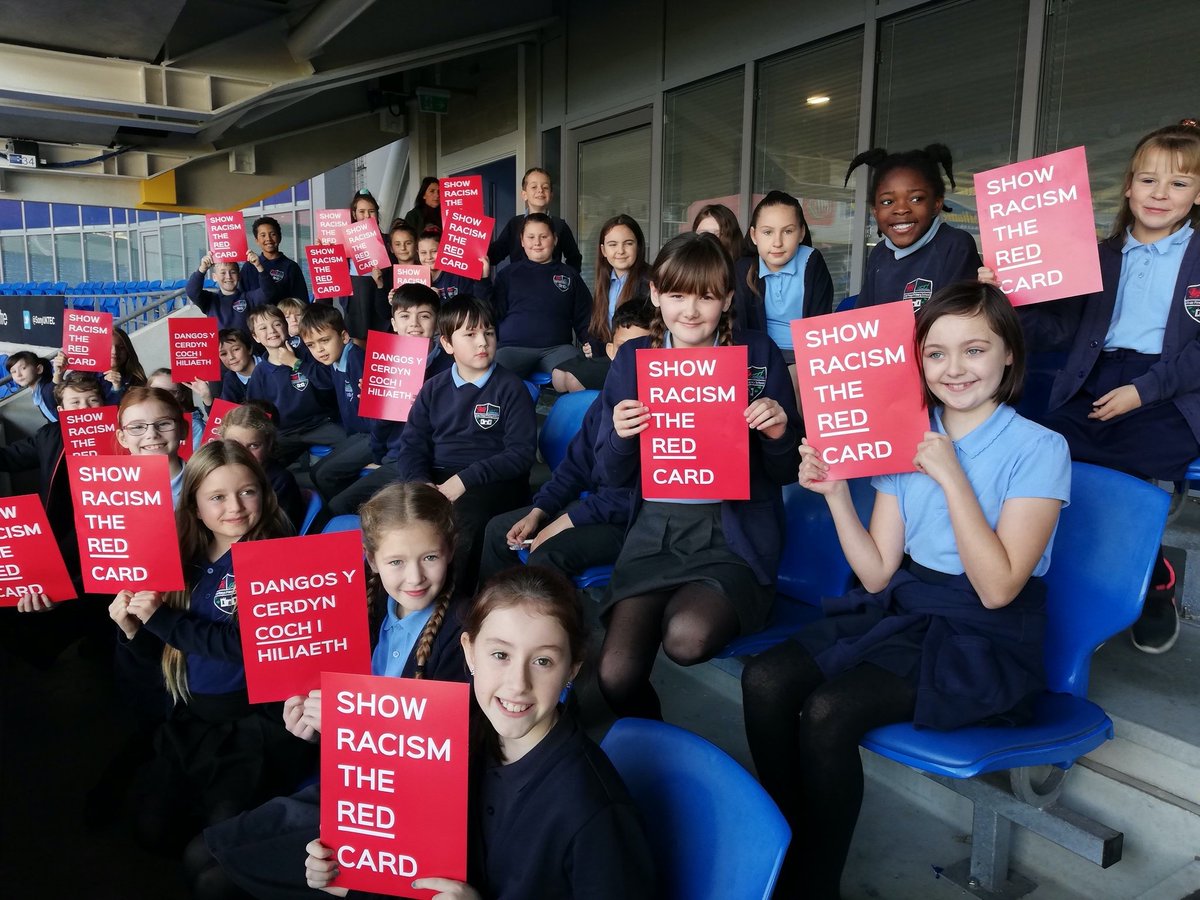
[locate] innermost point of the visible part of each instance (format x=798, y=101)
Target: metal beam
x=322, y=25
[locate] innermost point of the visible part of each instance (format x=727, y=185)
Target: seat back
x=562, y=424
x=1104, y=552
x=713, y=830
x=813, y=565
x=312, y=506
x=342, y=523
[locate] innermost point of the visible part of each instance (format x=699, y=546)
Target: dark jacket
x=228, y=309
x=507, y=244
x=951, y=256
x=750, y=307
x=579, y=472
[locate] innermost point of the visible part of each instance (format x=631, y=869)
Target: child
x=238, y=361
x=538, y=302
x=414, y=313
x=450, y=284
x=919, y=253
x=367, y=309
x=622, y=272
x=577, y=519
x=216, y=754
x=326, y=340
x=426, y=211
x=789, y=279
x=719, y=220
x=161, y=378
x=408, y=539
x=232, y=300
x=1128, y=396
x=471, y=431
x=952, y=637
x=564, y=825
x=536, y=193
x=285, y=274
x=631, y=320
x=150, y=423
x=294, y=385
x=402, y=241
x=251, y=426
x=293, y=311
x=125, y=369
x=28, y=370
x=692, y=576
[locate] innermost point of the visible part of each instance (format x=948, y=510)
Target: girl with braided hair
x=408, y=537
x=919, y=253
x=692, y=575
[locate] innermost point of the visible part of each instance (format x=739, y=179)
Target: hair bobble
x=1189, y=123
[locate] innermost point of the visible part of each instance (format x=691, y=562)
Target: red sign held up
x=697, y=445
x=302, y=610
x=125, y=523
x=464, y=246
x=392, y=375
x=90, y=432
x=226, y=236
x=462, y=193
x=390, y=746
x=364, y=244
x=330, y=276
x=861, y=389
x=30, y=562
x=194, y=350
x=1037, y=227
x=215, y=416
x=411, y=275
x=87, y=340
x=329, y=225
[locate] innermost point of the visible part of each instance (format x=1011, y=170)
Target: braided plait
x=428, y=633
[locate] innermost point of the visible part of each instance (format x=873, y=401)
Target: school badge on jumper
x=276, y=275
x=239, y=305
x=918, y=291
x=448, y=293
x=225, y=598
x=562, y=282
x=756, y=381
x=348, y=389
x=486, y=415
x=299, y=381
x=1191, y=301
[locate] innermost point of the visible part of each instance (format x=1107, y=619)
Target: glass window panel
x=41, y=258
x=1102, y=99
x=98, y=252
x=804, y=147
x=303, y=239
x=97, y=215
x=172, y=253
x=135, y=264
x=978, y=105
x=65, y=214
x=702, y=149
x=37, y=215
x=146, y=216
x=69, y=250
x=10, y=215
x=614, y=177
x=551, y=153
x=120, y=216
x=287, y=233
x=282, y=198
x=12, y=256
x=195, y=245
x=168, y=215
x=302, y=192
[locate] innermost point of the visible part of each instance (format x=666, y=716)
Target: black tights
x=205, y=876
x=691, y=622
x=804, y=732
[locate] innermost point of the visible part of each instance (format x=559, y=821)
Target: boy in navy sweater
x=414, y=313
x=232, y=301
x=581, y=532
x=325, y=337
x=301, y=390
x=237, y=365
x=284, y=273
x=538, y=302
x=472, y=431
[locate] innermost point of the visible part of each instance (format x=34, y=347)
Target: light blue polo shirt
x=1146, y=291
x=1006, y=456
x=783, y=295
x=615, y=283
x=397, y=637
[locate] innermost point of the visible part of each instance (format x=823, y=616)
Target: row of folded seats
x=124, y=288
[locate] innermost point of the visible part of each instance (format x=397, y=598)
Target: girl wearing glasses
x=150, y=421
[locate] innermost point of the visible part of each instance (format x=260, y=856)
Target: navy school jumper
x=755, y=529
x=951, y=256
x=538, y=305
x=507, y=244
x=580, y=471
x=751, y=309
x=296, y=393
x=228, y=309
x=286, y=278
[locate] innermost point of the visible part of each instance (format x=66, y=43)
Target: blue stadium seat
x=155, y=285
x=846, y=304
x=562, y=424
x=108, y=287
x=59, y=287
x=312, y=506
x=319, y=450
x=539, y=378
x=813, y=566
x=534, y=391
x=342, y=523
x=714, y=832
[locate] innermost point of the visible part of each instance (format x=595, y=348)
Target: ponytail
x=929, y=163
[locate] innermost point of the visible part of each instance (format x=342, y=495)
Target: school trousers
x=569, y=552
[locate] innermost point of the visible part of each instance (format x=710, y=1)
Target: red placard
x=90, y=432
x=697, y=445
x=1037, y=227
x=327, y=266
x=194, y=350
x=390, y=746
x=861, y=389
x=302, y=609
x=392, y=375
x=464, y=246
x=411, y=275
x=462, y=193
x=87, y=340
x=215, y=415
x=125, y=523
x=364, y=244
x=329, y=224
x=30, y=562
x=226, y=236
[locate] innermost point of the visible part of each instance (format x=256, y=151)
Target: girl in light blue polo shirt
x=947, y=628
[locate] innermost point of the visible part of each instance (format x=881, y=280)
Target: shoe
x=1158, y=627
